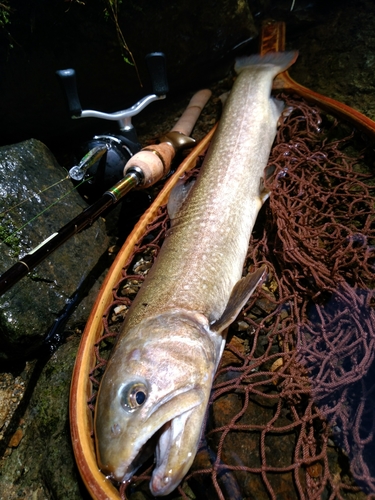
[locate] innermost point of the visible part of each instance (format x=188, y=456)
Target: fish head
x=153, y=398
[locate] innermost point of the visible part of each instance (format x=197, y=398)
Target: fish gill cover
x=292, y=404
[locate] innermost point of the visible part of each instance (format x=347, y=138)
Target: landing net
x=292, y=410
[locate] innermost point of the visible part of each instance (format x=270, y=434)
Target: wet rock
x=42, y=464
x=268, y=303
x=30, y=307
x=345, y=71
x=13, y=387
x=243, y=447
x=16, y=438
x=231, y=358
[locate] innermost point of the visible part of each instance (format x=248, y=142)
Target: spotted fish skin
x=158, y=381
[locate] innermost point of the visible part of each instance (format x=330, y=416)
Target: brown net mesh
x=293, y=397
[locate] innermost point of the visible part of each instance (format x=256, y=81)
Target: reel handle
x=157, y=68
x=68, y=80
x=156, y=65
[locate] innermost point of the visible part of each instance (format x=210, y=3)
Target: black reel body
x=108, y=170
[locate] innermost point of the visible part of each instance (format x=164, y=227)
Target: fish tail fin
x=281, y=61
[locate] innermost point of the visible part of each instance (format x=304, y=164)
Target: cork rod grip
x=155, y=161
x=189, y=117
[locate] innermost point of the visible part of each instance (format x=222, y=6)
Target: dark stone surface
x=336, y=42
x=28, y=309
x=244, y=447
x=42, y=465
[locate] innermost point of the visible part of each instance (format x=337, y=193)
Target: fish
x=154, y=394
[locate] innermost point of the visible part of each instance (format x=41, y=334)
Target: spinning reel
x=106, y=155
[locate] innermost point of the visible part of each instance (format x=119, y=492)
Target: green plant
x=112, y=12
x=9, y=237
x=4, y=13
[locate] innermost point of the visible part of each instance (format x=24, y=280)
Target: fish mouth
x=146, y=451
x=173, y=445
x=168, y=428
x=171, y=455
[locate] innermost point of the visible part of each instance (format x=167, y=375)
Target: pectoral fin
x=264, y=193
x=241, y=293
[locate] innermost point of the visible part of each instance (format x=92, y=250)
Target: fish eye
x=133, y=396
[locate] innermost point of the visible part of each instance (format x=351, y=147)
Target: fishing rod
x=143, y=169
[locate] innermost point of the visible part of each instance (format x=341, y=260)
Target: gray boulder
x=29, y=308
